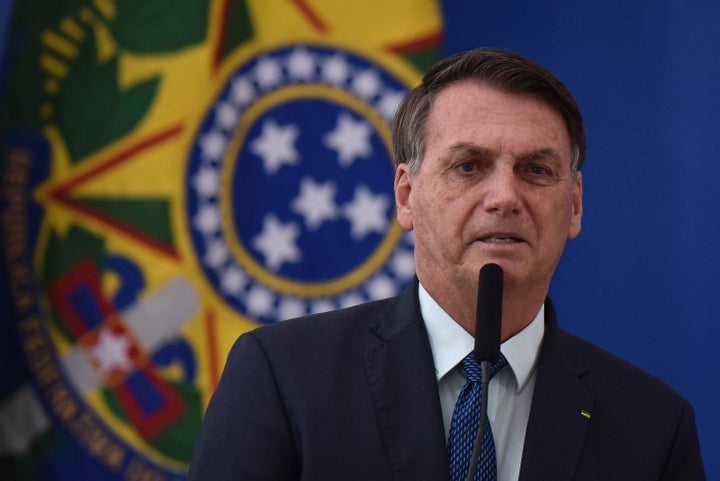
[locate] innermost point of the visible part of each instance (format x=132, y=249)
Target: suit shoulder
x=610, y=373
x=349, y=318
x=327, y=334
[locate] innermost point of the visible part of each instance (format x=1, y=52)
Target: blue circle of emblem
x=289, y=187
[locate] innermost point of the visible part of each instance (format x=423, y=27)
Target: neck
x=520, y=306
x=518, y=312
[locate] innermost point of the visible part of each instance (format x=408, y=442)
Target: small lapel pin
x=585, y=413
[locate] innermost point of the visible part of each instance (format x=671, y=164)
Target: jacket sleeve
x=685, y=462
x=245, y=434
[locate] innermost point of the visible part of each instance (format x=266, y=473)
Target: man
x=488, y=153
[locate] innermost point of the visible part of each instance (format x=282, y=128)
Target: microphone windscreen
x=489, y=313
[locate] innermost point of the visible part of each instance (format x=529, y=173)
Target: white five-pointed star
x=402, y=264
x=301, y=64
x=213, y=146
x=351, y=299
x=350, y=138
x=233, y=280
x=366, y=212
x=207, y=220
x=290, y=307
x=217, y=253
x=276, y=146
x=321, y=305
x=259, y=301
x=366, y=84
x=335, y=70
x=242, y=91
x=207, y=182
x=388, y=104
x=268, y=73
x=111, y=352
x=380, y=287
x=316, y=202
x=226, y=115
x=277, y=242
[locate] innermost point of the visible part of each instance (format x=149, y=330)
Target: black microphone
x=489, y=314
x=488, y=323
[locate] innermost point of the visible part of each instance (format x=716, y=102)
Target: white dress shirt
x=510, y=392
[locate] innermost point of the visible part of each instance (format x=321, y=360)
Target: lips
x=501, y=238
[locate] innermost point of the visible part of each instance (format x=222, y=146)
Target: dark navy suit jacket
x=352, y=395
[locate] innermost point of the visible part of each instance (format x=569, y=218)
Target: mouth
x=501, y=239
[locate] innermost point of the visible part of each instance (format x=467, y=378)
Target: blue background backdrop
x=641, y=280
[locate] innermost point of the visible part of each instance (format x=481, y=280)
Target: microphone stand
x=486, y=368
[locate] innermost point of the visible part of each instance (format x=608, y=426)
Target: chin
x=503, y=263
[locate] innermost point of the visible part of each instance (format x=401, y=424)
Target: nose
x=502, y=194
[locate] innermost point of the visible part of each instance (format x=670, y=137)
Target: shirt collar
x=450, y=343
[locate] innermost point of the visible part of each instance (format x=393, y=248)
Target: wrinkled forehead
x=468, y=117
x=461, y=99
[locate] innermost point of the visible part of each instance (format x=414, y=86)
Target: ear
x=576, y=219
x=403, y=186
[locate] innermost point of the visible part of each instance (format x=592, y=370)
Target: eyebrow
x=541, y=154
x=467, y=149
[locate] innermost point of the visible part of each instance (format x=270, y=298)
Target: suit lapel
x=560, y=410
x=400, y=371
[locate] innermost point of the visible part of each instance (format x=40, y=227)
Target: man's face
x=495, y=185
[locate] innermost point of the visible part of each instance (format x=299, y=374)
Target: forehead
x=476, y=113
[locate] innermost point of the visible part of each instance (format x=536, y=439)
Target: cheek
x=439, y=208
x=556, y=221
x=427, y=214
x=441, y=211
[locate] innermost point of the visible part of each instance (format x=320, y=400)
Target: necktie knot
x=473, y=372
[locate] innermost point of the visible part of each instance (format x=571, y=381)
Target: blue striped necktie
x=464, y=426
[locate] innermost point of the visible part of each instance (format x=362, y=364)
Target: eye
x=539, y=174
x=467, y=166
x=538, y=170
